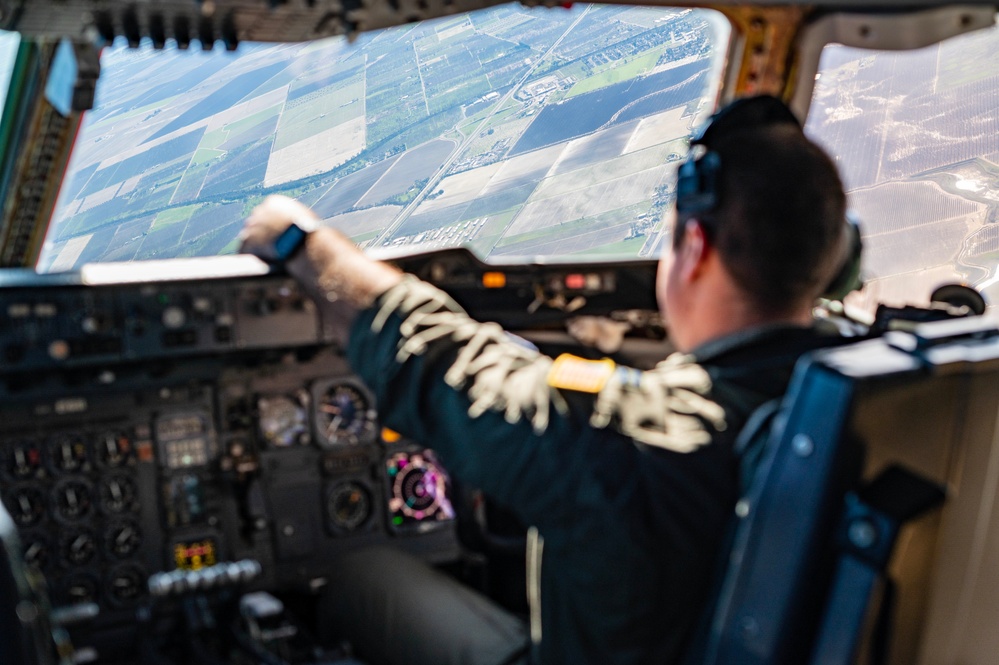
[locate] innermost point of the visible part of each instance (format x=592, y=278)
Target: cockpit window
x=516, y=132
x=916, y=137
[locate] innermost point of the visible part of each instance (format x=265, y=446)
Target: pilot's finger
x=257, y=239
x=278, y=208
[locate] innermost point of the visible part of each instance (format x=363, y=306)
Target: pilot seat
x=866, y=531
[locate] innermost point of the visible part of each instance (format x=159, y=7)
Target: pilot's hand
x=268, y=220
x=329, y=266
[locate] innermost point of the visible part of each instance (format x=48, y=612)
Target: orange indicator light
x=493, y=280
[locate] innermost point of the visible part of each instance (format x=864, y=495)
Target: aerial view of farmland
x=514, y=131
x=916, y=136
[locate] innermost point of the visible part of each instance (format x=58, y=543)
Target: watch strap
x=291, y=240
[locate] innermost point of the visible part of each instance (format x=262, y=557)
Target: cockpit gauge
x=36, y=552
x=78, y=547
x=344, y=414
x=348, y=506
x=80, y=588
x=124, y=584
x=121, y=540
x=419, y=486
x=72, y=498
x=113, y=448
x=116, y=494
x=26, y=505
x=22, y=460
x=67, y=453
x=283, y=420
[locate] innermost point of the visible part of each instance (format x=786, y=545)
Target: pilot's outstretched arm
x=482, y=399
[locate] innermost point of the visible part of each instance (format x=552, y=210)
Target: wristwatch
x=292, y=239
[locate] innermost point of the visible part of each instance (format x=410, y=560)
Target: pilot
x=627, y=477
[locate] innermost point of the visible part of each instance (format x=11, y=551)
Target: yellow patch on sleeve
x=570, y=372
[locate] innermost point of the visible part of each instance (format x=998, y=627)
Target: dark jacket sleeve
x=502, y=447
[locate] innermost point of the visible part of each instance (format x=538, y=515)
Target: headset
x=697, y=178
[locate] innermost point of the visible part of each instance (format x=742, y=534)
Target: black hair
x=778, y=217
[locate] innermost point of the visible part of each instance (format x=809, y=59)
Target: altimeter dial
x=344, y=415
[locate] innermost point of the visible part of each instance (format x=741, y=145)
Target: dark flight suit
x=630, y=487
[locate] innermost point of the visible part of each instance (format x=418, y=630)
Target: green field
x=616, y=72
x=172, y=216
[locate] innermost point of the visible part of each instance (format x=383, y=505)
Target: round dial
x=67, y=453
x=419, y=488
x=116, y=494
x=78, y=547
x=22, y=460
x=348, y=505
x=344, y=415
x=37, y=552
x=72, y=498
x=26, y=505
x=125, y=584
x=114, y=448
x=80, y=588
x=283, y=420
x=122, y=540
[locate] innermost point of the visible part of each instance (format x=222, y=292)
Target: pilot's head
x=759, y=230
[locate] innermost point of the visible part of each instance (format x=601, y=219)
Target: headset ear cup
x=848, y=278
x=697, y=184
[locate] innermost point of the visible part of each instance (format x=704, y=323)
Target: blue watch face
x=289, y=241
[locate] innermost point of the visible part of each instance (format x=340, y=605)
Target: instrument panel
x=127, y=459
x=163, y=433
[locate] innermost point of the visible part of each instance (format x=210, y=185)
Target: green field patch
x=616, y=72
x=213, y=139
x=205, y=155
x=243, y=124
x=577, y=70
x=172, y=216
x=317, y=113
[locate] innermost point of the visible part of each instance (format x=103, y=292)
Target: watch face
x=290, y=240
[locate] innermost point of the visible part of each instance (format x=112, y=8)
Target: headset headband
x=697, y=178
